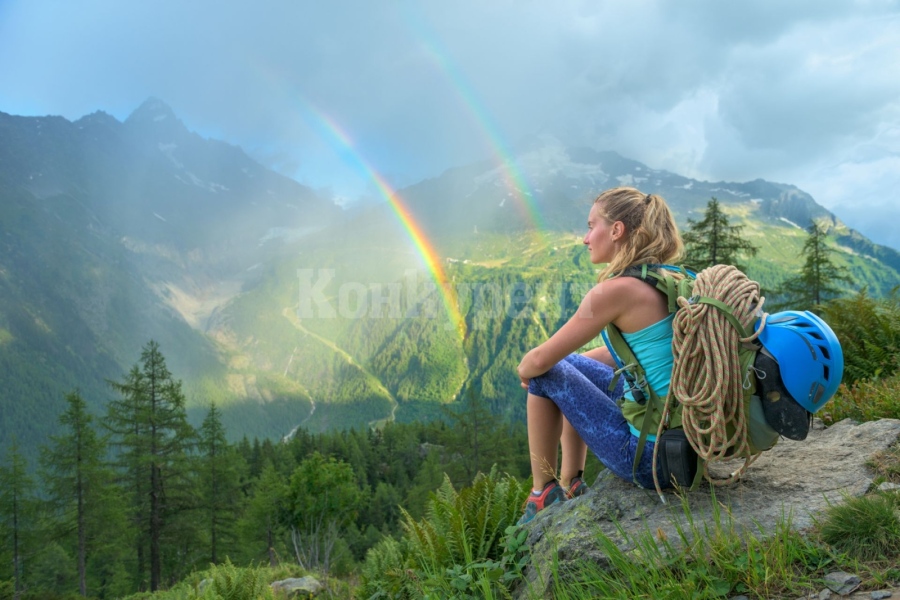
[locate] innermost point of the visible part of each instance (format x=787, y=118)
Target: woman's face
x=602, y=236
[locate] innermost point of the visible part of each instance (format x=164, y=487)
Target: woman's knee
x=539, y=385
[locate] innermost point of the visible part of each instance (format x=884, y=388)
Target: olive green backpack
x=713, y=329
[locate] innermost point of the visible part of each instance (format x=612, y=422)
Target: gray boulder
x=302, y=587
x=798, y=479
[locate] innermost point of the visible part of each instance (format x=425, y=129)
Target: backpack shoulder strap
x=625, y=359
x=658, y=276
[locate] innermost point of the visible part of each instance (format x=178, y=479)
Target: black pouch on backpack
x=677, y=459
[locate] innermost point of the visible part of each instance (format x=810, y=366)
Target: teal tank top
x=652, y=346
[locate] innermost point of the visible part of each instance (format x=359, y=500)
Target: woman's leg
x=545, y=425
x=574, y=453
x=579, y=386
x=574, y=449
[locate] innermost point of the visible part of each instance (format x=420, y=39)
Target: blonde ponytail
x=651, y=235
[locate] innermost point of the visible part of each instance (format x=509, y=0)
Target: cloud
x=801, y=92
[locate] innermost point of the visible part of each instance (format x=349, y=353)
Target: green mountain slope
x=287, y=311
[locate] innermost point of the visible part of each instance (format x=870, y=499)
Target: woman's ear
x=618, y=230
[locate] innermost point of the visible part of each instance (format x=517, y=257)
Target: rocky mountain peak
x=152, y=109
x=155, y=121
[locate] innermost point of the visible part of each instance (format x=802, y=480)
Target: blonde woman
x=569, y=403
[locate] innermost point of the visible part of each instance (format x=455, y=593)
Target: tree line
x=136, y=499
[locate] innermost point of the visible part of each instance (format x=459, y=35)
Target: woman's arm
x=603, y=304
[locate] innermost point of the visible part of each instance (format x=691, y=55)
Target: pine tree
x=818, y=278
x=77, y=482
x=712, y=241
x=150, y=429
x=473, y=438
x=262, y=520
x=220, y=483
x=18, y=513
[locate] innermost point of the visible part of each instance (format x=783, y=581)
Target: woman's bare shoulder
x=636, y=303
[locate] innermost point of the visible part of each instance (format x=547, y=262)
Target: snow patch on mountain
x=210, y=186
x=285, y=233
x=540, y=166
x=732, y=192
x=169, y=151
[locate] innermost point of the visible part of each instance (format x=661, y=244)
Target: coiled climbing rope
x=707, y=377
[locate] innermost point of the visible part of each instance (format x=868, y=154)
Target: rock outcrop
x=795, y=479
x=298, y=587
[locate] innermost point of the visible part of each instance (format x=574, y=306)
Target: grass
x=866, y=400
x=886, y=465
x=229, y=582
x=714, y=560
x=867, y=528
x=706, y=560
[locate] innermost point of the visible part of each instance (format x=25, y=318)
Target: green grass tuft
x=866, y=528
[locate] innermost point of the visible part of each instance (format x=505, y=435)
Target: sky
x=805, y=92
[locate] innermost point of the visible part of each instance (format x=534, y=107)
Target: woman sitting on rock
x=569, y=402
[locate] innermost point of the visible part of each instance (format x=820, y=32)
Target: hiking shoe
x=577, y=487
x=551, y=494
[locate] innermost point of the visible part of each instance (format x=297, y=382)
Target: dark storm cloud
x=802, y=92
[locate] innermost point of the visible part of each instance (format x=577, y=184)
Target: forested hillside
x=288, y=311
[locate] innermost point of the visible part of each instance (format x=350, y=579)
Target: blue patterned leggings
x=579, y=387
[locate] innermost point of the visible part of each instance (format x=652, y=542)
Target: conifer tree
x=473, y=436
x=18, y=513
x=149, y=427
x=262, y=520
x=78, y=483
x=220, y=483
x=818, y=278
x=712, y=241
x=322, y=498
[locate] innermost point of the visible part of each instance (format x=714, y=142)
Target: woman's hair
x=651, y=235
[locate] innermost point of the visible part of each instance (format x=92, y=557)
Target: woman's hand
x=531, y=366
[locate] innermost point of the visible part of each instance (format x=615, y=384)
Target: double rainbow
x=424, y=247
x=513, y=177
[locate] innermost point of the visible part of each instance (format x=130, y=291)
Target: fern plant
x=457, y=547
x=869, y=331
x=227, y=582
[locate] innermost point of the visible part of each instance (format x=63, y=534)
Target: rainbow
x=423, y=245
x=514, y=179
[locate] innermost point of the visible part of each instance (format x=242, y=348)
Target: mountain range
x=287, y=310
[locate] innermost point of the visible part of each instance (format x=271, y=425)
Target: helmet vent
x=824, y=349
x=818, y=390
x=825, y=373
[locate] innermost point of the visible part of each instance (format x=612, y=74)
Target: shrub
x=869, y=332
x=220, y=582
x=866, y=400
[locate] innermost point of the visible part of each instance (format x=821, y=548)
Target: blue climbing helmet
x=809, y=356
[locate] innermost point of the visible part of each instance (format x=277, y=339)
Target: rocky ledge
x=794, y=479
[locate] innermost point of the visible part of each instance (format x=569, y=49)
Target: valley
x=114, y=234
